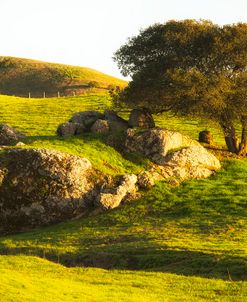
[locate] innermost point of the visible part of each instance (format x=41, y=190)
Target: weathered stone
x=206, y=137
x=39, y=187
x=69, y=129
x=156, y=143
x=86, y=118
x=9, y=136
x=141, y=118
x=111, y=198
x=116, y=123
x=100, y=126
x=145, y=180
x=188, y=163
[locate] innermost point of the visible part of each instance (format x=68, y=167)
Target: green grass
x=20, y=281
x=186, y=243
x=20, y=76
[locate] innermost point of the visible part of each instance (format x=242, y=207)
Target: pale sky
x=88, y=32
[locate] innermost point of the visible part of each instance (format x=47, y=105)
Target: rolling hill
x=23, y=76
x=185, y=243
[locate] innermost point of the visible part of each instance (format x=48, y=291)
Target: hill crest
x=19, y=76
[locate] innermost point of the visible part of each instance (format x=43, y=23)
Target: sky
x=88, y=32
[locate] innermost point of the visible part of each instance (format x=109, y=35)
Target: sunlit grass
x=174, y=238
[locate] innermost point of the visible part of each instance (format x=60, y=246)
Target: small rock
x=145, y=180
x=9, y=136
x=206, y=137
x=109, y=199
x=100, y=126
x=20, y=144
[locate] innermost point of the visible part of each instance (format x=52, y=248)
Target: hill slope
x=20, y=76
x=184, y=243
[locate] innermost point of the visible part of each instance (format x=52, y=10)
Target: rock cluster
x=103, y=123
x=9, y=136
x=176, y=155
x=40, y=186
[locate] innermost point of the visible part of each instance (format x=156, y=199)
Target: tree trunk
x=243, y=144
x=230, y=137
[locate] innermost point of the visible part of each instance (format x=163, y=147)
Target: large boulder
x=40, y=186
x=156, y=143
x=190, y=163
x=116, y=123
x=9, y=136
x=111, y=198
x=141, y=118
x=86, y=118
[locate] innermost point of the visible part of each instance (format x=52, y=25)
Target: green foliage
x=190, y=67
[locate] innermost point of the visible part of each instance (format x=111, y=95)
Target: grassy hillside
x=20, y=76
x=184, y=243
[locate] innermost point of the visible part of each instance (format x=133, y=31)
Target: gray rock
x=9, y=136
x=86, y=118
x=111, y=198
x=190, y=163
x=145, y=180
x=156, y=143
x=69, y=129
x=116, y=123
x=100, y=126
x=141, y=118
x=39, y=187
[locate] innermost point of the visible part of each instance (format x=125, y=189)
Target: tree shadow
x=180, y=262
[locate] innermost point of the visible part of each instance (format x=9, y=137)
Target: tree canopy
x=190, y=67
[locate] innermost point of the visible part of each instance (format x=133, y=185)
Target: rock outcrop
x=193, y=162
x=141, y=118
x=9, y=136
x=111, y=198
x=156, y=143
x=39, y=187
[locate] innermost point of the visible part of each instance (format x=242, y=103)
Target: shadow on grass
x=181, y=262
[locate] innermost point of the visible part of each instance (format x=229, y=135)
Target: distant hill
x=20, y=77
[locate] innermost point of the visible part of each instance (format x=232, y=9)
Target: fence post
x=58, y=94
x=44, y=94
x=29, y=95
